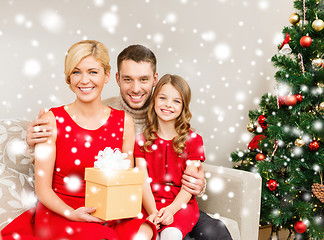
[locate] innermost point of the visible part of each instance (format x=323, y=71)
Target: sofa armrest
x=233, y=194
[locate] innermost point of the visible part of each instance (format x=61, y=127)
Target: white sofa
x=233, y=196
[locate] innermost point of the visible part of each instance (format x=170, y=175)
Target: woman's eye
x=93, y=72
x=75, y=72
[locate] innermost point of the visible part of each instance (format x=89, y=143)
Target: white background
x=221, y=47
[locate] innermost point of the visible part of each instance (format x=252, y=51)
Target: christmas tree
x=287, y=149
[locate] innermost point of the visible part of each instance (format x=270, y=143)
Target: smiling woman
x=60, y=161
x=88, y=78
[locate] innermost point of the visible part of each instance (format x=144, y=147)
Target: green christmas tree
x=287, y=149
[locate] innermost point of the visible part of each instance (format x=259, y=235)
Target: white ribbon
x=110, y=159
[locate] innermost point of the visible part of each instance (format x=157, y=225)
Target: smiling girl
x=164, y=151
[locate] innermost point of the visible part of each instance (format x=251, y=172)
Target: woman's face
x=88, y=79
x=168, y=103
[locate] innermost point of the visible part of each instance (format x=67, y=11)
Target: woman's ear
x=107, y=78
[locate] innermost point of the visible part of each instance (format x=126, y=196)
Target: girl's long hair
x=182, y=123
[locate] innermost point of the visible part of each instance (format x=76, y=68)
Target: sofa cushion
x=16, y=171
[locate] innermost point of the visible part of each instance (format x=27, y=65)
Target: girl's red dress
x=76, y=149
x=166, y=168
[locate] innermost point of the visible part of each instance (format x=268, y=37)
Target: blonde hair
x=182, y=123
x=83, y=49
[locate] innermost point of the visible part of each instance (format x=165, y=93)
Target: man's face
x=136, y=82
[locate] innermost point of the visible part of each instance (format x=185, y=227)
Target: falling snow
x=190, y=38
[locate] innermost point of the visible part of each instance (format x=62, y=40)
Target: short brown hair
x=137, y=53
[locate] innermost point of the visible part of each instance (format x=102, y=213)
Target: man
x=136, y=77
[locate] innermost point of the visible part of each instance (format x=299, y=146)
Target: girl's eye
x=177, y=101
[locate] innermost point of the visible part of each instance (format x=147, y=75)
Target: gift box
x=116, y=194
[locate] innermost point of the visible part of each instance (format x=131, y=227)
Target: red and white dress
x=76, y=149
x=166, y=168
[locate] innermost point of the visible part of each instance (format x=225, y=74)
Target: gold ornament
x=294, y=18
x=299, y=142
x=318, y=25
x=317, y=62
x=251, y=127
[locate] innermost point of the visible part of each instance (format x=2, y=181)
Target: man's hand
x=38, y=131
x=194, y=183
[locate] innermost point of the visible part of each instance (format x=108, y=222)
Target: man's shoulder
x=113, y=102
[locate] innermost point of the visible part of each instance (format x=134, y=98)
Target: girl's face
x=88, y=79
x=168, y=103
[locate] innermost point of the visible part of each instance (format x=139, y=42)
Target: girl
x=80, y=130
x=164, y=151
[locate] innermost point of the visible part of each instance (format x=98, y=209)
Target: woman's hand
x=82, y=214
x=164, y=216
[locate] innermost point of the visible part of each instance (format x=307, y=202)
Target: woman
x=80, y=130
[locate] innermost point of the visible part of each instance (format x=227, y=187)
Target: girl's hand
x=152, y=218
x=82, y=214
x=164, y=216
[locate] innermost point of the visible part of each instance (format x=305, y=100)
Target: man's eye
x=144, y=79
x=127, y=79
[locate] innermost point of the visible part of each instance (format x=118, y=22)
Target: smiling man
x=136, y=78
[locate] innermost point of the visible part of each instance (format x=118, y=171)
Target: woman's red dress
x=76, y=149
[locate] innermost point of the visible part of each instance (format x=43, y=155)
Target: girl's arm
x=148, y=198
x=129, y=138
x=166, y=214
x=45, y=156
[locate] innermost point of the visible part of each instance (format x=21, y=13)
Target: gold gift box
x=116, y=194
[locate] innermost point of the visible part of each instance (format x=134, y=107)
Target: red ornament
x=281, y=100
x=259, y=157
x=291, y=100
x=300, y=227
x=306, y=41
x=254, y=144
x=272, y=184
x=313, y=145
x=299, y=97
x=262, y=122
